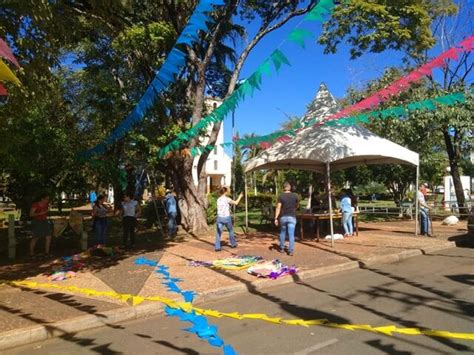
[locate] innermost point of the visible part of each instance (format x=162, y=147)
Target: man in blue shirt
x=171, y=211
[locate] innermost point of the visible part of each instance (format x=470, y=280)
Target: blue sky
x=290, y=91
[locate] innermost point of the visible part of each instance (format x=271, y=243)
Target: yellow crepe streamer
x=7, y=75
x=188, y=307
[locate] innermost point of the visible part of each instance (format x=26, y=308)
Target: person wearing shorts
x=40, y=225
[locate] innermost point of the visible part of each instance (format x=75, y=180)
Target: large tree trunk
x=192, y=200
x=454, y=156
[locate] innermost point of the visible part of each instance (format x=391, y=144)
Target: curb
x=24, y=336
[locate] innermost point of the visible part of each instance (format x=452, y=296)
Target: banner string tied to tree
x=200, y=325
x=277, y=58
x=392, y=112
x=380, y=96
x=187, y=307
x=406, y=81
x=384, y=94
x=173, y=64
x=234, y=262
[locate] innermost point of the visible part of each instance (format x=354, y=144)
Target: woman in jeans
x=99, y=213
x=285, y=216
x=224, y=218
x=346, y=209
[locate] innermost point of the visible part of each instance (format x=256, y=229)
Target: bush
x=212, y=208
x=261, y=200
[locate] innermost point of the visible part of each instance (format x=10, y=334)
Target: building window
x=215, y=165
x=215, y=150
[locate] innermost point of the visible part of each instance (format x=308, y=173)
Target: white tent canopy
x=325, y=148
x=340, y=146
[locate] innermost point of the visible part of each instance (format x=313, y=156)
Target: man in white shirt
x=424, y=210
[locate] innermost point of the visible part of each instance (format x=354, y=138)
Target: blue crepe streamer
x=173, y=64
x=200, y=325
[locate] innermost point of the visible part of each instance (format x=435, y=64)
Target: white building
x=218, y=167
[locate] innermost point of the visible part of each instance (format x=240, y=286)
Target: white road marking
x=317, y=347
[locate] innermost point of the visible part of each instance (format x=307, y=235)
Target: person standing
x=99, y=213
x=171, y=208
x=40, y=225
x=92, y=198
x=130, y=210
x=285, y=217
x=347, y=211
x=424, y=210
x=224, y=218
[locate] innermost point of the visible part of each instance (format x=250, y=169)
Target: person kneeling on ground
x=286, y=212
x=224, y=218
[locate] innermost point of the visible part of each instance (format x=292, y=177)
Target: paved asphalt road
x=431, y=291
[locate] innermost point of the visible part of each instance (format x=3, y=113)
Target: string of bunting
x=187, y=308
x=173, y=64
x=252, y=83
x=5, y=73
x=391, y=112
x=200, y=326
x=346, y=115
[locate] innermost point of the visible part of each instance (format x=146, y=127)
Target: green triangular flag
x=278, y=58
x=299, y=35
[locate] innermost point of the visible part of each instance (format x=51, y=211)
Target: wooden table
x=324, y=216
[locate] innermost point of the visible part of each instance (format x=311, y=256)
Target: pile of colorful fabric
x=271, y=269
x=68, y=266
x=255, y=265
x=232, y=263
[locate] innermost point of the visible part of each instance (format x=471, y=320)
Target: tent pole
x=246, y=205
x=328, y=173
x=415, y=198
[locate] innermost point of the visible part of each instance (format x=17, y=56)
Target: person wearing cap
x=172, y=212
x=424, y=210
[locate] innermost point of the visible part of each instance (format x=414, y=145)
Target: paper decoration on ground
x=337, y=236
x=388, y=330
x=200, y=326
x=173, y=64
x=68, y=266
x=232, y=263
x=271, y=269
x=277, y=58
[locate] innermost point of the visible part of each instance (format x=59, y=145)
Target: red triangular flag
x=3, y=90
x=6, y=53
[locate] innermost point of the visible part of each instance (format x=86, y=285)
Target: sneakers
x=290, y=253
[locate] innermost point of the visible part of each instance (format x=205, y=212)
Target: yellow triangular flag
x=7, y=75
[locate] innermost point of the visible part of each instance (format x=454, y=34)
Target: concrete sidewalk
x=32, y=315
